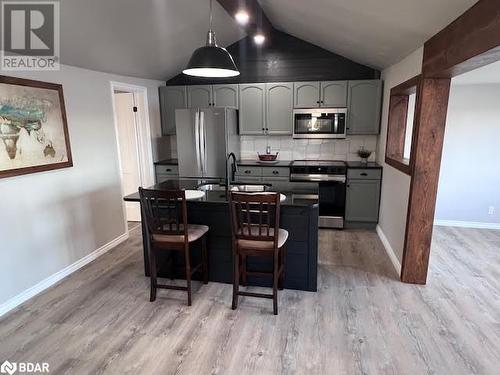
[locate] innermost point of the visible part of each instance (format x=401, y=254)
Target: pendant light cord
x=210, y=25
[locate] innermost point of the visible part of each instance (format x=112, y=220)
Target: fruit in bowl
x=268, y=157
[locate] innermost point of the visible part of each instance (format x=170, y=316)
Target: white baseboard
x=466, y=224
x=51, y=280
x=389, y=250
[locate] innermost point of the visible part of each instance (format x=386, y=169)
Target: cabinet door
x=306, y=94
x=279, y=106
x=252, y=109
x=225, y=95
x=364, y=102
x=171, y=98
x=362, y=201
x=334, y=94
x=199, y=96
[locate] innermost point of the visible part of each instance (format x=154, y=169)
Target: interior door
x=129, y=155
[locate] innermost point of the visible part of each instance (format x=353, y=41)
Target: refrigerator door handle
x=197, y=138
x=203, y=143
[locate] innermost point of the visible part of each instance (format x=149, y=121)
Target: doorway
x=134, y=143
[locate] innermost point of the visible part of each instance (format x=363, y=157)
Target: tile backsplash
x=302, y=149
x=309, y=149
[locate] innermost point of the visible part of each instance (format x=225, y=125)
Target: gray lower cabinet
x=225, y=95
x=306, y=94
x=363, y=198
x=171, y=98
x=364, y=101
x=279, y=107
x=252, y=109
x=166, y=172
x=199, y=96
x=333, y=94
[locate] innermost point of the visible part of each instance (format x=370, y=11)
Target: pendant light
x=211, y=60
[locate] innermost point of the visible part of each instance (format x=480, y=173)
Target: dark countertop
x=292, y=198
x=257, y=163
x=359, y=165
x=167, y=162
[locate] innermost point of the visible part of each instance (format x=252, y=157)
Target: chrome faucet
x=234, y=167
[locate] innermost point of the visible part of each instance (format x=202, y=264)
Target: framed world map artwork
x=33, y=127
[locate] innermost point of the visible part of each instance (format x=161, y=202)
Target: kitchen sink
x=249, y=188
x=212, y=187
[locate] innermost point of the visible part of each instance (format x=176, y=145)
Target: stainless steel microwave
x=320, y=123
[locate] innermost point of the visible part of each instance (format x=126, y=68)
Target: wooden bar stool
x=255, y=219
x=165, y=213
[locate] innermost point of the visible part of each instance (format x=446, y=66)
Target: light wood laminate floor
x=361, y=321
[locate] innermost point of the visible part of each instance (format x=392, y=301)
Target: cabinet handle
x=276, y=172
x=169, y=170
x=318, y=102
x=364, y=174
x=248, y=172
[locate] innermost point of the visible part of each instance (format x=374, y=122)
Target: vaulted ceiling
x=377, y=33
x=142, y=38
x=155, y=38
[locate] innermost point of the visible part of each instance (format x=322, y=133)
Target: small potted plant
x=364, y=155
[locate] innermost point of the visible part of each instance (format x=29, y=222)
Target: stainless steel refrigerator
x=205, y=136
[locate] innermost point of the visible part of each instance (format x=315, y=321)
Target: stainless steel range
x=331, y=178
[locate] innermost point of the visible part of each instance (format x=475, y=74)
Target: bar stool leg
x=275, y=283
x=188, y=273
x=236, y=280
x=282, y=257
x=152, y=274
x=244, y=270
x=204, y=260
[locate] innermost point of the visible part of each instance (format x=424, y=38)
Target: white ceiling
x=143, y=38
x=489, y=74
x=377, y=33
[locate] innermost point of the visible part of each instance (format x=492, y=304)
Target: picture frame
x=34, y=134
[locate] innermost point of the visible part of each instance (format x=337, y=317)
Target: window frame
x=397, y=121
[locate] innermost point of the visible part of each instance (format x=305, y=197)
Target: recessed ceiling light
x=259, y=39
x=242, y=17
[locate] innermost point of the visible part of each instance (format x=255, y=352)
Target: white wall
x=395, y=184
x=469, y=181
x=50, y=220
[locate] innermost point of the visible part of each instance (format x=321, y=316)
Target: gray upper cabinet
x=362, y=201
x=279, y=106
x=199, y=96
x=334, y=94
x=364, y=102
x=252, y=108
x=306, y=94
x=171, y=98
x=225, y=95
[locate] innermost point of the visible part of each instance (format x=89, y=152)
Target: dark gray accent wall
x=285, y=58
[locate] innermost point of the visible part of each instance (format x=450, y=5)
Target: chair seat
x=195, y=232
x=263, y=245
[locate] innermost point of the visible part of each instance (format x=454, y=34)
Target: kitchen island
x=299, y=217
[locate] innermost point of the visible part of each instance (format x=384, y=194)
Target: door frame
x=143, y=138
x=468, y=43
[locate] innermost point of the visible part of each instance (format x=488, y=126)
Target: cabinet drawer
x=364, y=174
x=249, y=171
x=165, y=177
x=167, y=169
x=276, y=172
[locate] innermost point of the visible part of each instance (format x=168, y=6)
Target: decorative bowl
x=268, y=157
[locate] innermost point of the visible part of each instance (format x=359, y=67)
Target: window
x=401, y=124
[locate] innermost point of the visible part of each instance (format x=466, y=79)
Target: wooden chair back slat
x=255, y=216
x=165, y=211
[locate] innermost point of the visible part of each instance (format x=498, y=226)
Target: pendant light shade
x=211, y=60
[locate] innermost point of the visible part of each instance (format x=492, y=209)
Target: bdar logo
x=8, y=368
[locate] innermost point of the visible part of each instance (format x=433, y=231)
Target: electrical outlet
x=491, y=210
